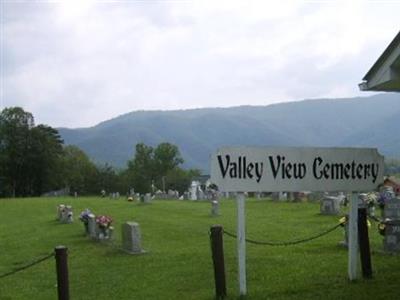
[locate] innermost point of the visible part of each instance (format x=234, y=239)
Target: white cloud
x=77, y=63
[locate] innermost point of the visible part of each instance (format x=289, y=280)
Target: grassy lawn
x=178, y=262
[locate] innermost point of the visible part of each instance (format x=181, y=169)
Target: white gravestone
x=131, y=238
x=69, y=215
x=147, y=198
x=65, y=214
x=214, y=208
x=330, y=205
x=60, y=209
x=92, y=226
x=193, y=190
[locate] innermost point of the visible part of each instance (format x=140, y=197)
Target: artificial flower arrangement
x=104, y=224
x=84, y=217
x=104, y=221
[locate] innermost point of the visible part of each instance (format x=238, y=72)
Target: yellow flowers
x=343, y=221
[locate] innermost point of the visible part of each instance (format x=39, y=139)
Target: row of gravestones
x=131, y=235
x=390, y=222
x=146, y=198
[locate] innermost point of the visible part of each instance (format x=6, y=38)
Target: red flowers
x=104, y=221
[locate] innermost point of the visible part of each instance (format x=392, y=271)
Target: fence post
x=62, y=272
x=217, y=249
x=363, y=238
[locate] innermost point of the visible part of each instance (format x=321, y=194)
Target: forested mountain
x=369, y=121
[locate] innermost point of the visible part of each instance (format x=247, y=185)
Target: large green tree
x=44, y=159
x=141, y=168
x=159, y=166
x=80, y=174
x=29, y=154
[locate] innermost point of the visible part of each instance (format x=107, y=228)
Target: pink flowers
x=104, y=221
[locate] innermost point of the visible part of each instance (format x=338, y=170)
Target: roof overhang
x=384, y=75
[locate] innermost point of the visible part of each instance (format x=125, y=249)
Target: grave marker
x=92, y=226
x=147, y=198
x=131, y=238
x=391, y=241
x=214, y=208
x=330, y=205
x=392, y=209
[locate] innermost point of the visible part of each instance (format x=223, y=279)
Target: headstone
x=289, y=196
x=391, y=241
x=193, y=190
x=279, y=196
x=147, y=198
x=110, y=232
x=65, y=214
x=131, y=238
x=69, y=214
x=92, y=226
x=214, y=208
x=392, y=209
x=200, y=194
x=330, y=205
x=60, y=209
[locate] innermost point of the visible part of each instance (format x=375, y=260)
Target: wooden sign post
x=270, y=169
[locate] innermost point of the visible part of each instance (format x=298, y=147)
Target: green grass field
x=178, y=262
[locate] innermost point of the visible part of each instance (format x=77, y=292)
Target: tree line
x=34, y=160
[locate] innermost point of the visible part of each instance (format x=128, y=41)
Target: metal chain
x=289, y=242
x=31, y=264
x=374, y=218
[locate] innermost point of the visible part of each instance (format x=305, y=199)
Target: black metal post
x=217, y=249
x=62, y=272
x=363, y=239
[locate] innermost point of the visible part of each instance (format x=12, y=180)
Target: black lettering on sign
x=240, y=169
x=286, y=170
x=224, y=169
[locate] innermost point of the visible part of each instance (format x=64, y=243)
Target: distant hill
x=369, y=121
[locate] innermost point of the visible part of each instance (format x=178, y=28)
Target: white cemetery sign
x=276, y=169
x=250, y=169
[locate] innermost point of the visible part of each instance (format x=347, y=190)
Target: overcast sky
x=75, y=63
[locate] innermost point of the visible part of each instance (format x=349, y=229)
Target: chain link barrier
x=27, y=266
x=287, y=243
